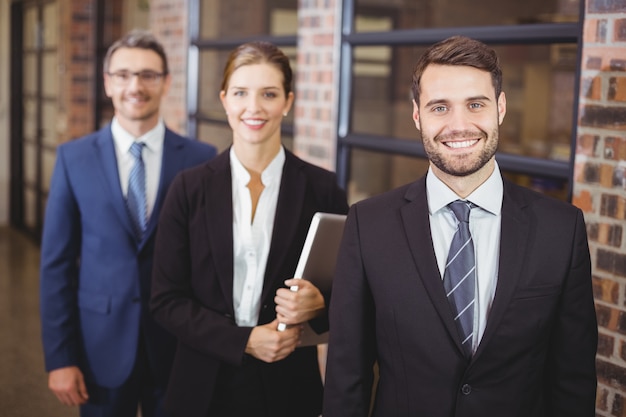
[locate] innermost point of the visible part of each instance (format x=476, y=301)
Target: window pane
x=410, y=14
x=217, y=134
x=30, y=28
x=50, y=74
x=538, y=81
x=209, y=83
x=29, y=121
x=30, y=163
x=29, y=62
x=242, y=18
x=51, y=25
x=48, y=159
x=30, y=208
x=50, y=118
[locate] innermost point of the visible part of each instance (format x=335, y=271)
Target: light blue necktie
x=459, y=278
x=136, y=197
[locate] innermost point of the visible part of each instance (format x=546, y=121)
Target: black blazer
x=537, y=355
x=192, y=293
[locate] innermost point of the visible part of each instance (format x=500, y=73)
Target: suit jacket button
x=466, y=389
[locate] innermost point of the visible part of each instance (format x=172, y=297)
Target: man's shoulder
x=528, y=197
x=84, y=143
x=191, y=146
x=392, y=198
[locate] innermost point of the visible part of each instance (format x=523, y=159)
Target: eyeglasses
x=147, y=77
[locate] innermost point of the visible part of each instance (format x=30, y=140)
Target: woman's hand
x=295, y=307
x=268, y=344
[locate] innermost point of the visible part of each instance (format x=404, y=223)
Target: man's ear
x=501, y=107
x=416, y=115
x=106, y=79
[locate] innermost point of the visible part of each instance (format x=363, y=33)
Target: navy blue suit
x=95, y=274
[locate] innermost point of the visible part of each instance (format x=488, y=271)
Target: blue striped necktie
x=459, y=278
x=136, y=197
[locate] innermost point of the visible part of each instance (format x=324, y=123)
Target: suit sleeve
x=173, y=302
x=351, y=349
x=571, y=361
x=60, y=250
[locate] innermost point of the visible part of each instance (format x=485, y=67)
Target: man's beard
x=461, y=166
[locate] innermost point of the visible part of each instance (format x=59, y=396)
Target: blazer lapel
x=172, y=162
x=415, y=217
x=286, y=222
x=513, y=248
x=108, y=162
x=218, y=209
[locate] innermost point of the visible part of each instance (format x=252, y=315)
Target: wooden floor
x=23, y=381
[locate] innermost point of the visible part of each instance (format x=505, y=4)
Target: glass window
x=462, y=13
x=243, y=18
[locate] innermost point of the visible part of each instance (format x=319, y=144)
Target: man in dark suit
x=514, y=333
x=102, y=349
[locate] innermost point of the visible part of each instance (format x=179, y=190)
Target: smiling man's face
x=458, y=116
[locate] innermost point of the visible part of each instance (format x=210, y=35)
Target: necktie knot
x=461, y=209
x=136, y=149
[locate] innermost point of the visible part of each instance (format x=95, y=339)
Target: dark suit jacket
x=95, y=275
x=537, y=355
x=192, y=293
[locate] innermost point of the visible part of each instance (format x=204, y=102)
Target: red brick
x=587, y=145
x=602, y=399
x=611, y=374
x=606, y=344
x=592, y=88
x=617, y=89
x=620, y=30
x=583, y=200
x=606, y=175
x=606, y=6
x=606, y=290
x=601, y=54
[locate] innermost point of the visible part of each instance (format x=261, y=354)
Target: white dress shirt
x=252, y=238
x=152, y=156
x=485, y=222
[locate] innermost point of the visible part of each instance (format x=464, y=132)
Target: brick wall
x=316, y=82
x=169, y=23
x=600, y=188
x=76, y=46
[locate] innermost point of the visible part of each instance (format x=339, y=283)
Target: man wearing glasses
x=102, y=349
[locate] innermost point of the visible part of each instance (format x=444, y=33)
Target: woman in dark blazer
x=230, y=235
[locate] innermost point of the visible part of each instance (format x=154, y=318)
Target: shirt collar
x=270, y=173
x=124, y=140
x=488, y=196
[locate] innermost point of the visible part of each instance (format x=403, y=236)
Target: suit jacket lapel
x=218, y=209
x=286, y=222
x=513, y=248
x=417, y=228
x=108, y=162
x=171, y=164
